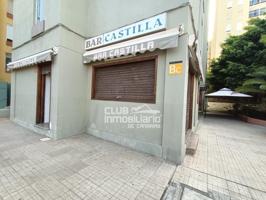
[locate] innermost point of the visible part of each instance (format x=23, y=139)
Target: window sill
x=125, y=101
x=38, y=28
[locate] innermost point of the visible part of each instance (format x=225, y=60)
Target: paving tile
x=189, y=194
x=232, y=156
x=81, y=167
x=230, y=164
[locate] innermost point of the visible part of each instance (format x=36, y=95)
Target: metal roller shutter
x=134, y=82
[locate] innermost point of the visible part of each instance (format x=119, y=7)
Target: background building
x=230, y=19
x=6, y=40
x=257, y=8
x=6, y=37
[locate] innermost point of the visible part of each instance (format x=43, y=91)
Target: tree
x=242, y=63
x=257, y=79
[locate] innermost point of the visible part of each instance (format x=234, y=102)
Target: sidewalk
x=81, y=167
x=230, y=162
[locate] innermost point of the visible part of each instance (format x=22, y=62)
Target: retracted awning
x=44, y=56
x=161, y=40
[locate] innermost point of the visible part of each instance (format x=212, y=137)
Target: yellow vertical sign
x=175, y=68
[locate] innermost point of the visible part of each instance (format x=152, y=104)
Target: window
x=258, y=12
x=263, y=11
x=254, y=13
x=8, y=59
x=9, y=32
x=10, y=7
x=229, y=16
x=39, y=23
x=254, y=2
x=133, y=81
x=39, y=10
x=228, y=28
x=9, y=35
x=239, y=26
x=229, y=4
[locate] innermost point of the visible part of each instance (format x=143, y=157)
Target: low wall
x=252, y=120
x=4, y=94
x=4, y=113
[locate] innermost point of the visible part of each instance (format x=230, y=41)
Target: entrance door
x=43, y=94
x=47, y=97
x=190, y=93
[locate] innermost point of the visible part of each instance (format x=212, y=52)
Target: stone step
x=192, y=144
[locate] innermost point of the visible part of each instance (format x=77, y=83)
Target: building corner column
x=175, y=97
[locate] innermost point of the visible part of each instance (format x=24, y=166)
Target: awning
x=161, y=40
x=225, y=92
x=44, y=56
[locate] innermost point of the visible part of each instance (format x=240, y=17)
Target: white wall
x=104, y=16
x=24, y=95
x=24, y=18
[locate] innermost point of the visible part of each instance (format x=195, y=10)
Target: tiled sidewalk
x=230, y=162
x=81, y=167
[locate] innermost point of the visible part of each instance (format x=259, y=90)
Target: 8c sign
x=175, y=68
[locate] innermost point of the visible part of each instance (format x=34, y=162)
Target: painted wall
x=72, y=89
x=24, y=100
x=18, y=80
x=65, y=115
x=24, y=18
x=148, y=140
x=169, y=140
x=4, y=20
x=100, y=21
x=175, y=105
x=74, y=15
x=3, y=94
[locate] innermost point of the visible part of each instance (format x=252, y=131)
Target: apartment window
x=258, y=12
x=254, y=13
x=133, y=81
x=228, y=28
x=8, y=59
x=263, y=11
x=229, y=16
x=39, y=10
x=239, y=26
x=10, y=9
x=254, y=2
x=9, y=35
x=229, y=4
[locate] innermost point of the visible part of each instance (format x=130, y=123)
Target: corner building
x=124, y=71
